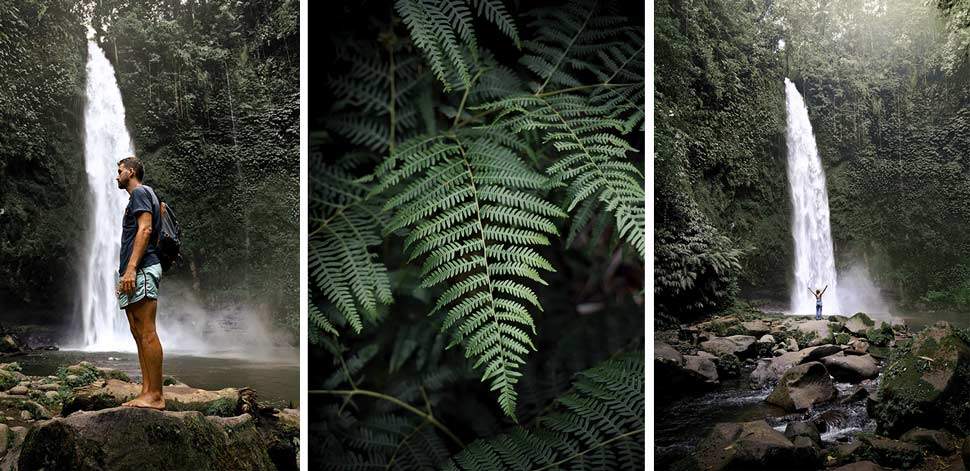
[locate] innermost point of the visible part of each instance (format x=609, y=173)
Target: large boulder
x=925, y=384
x=817, y=331
x=934, y=441
x=740, y=345
x=756, y=328
x=769, y=371
x=126, y=438
x=851, y=368
x=859, y=324
x=802, y=387
x=103, y=394
x=682, y=373
x=747, y=445
x=888, y=452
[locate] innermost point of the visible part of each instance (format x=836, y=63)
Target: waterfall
x=106, y=141
x=814, y=257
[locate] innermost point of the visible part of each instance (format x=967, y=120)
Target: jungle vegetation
x=887, y=91
x=477, y=236
x=211, y=92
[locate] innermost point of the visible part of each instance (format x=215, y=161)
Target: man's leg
x=143, y=313
x=141, y=360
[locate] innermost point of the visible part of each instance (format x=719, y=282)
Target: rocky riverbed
x=72, y=420
x=763, y=391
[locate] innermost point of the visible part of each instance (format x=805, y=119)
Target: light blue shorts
x=146, y=285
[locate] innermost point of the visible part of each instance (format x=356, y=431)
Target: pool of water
x=276, y=381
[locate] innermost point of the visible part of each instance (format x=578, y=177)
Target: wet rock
x=927, y=384
x=851, y=368
x=747, y=445
x=701, y=367
x=856, y=394
x=740, y=345
x=803, y=429
x=756, y=328
x=769, y=371
x=103, y=394
x=934, y=441
x=114, y=439
x=802, y=387
x=889, y=452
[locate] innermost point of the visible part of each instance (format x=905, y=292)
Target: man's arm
x=137, y=250
x=825, y=288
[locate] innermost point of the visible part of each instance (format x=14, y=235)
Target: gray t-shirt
x=142, y=200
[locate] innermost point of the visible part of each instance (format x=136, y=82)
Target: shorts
x=146, y=285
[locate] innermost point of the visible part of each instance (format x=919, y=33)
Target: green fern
x=346, y=222
x=466, y=201
x=598, y=425
x=444, y=31
x=384, y=98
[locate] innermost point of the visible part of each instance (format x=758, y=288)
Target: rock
x=111, y=373
x=4, y=439
x=281, y=435
x=851, y=368
x=792, y=345
x=817, y=330
x=857, y=394
x=860, y=466
x=52, y=395
x=859, y=324
x=8, y=379
x=701, y=367
x=926, y=384
x=666, y=353
x=857, y=347
x=803, y=429
x=889, y=452
x=23, y=403
x=18, y=390
x=768, y=339
x=934, y=441
x=740, y=345
x=25, y=415
x=114, y=439
x=806, y=450
x=103, y=394
x=747, y=445
x=778, y=352
x=802, y=387
x=756, y=328
x=48, y=387
x=721, y=326
x=10, y=343
x=769, y=371
x=965, y=452
x=728, y=366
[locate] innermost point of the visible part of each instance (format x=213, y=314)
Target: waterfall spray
x=106, y=141
x=814, y=255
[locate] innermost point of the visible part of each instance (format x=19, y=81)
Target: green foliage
x=475, y=222
x=42, y=49
x=211, y=92
x=598, y=425
x=444, y=31
x=348, y=221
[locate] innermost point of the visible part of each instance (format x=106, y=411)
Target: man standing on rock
x=140, y=271
x=818, y=301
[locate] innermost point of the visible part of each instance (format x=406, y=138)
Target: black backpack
x=169, y=238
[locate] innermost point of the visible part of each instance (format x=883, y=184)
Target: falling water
x=814, y=258
x=106, y=141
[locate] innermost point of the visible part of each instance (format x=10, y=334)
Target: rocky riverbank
x=912, y=391
x=72, y=420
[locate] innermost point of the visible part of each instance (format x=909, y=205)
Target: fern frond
x=365, y=112
x=319, y=323
x=592, y=158
x=598, y=425
x=444, y=31
x=465, y=199
x=346, y=221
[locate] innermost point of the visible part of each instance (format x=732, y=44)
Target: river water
x=276, y=381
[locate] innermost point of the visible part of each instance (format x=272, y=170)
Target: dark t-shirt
x=142, y=200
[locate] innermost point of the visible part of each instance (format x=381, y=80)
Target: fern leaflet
x=472, y=217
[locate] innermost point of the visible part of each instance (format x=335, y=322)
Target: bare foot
x=147, y=401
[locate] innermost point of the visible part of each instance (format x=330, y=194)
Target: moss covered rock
x=104, y=394
x=926, y=384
